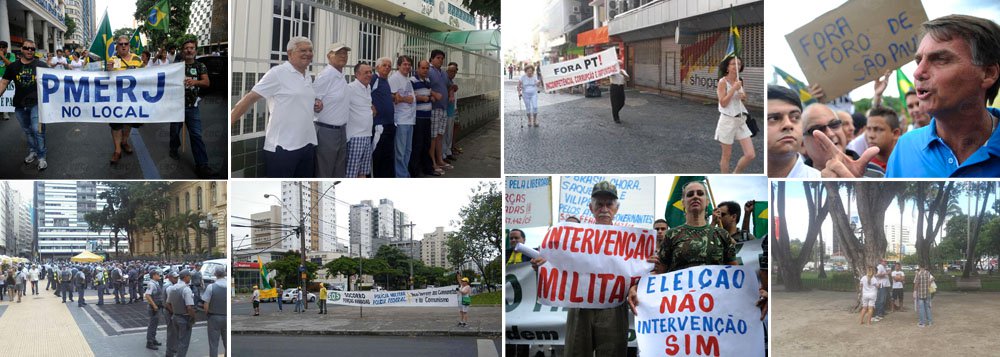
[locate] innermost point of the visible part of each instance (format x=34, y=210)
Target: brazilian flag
x=760, y=219
x=158, y=17
x=796, y=85
x=735, y=46
x=904, y=86
x=136, y=43
x=675, y=206
x=103, y=44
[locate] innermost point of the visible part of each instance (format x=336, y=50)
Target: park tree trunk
x=982, y=189
x=822, y=252
x=873, y=198
x=930, y=217
x=791, y=266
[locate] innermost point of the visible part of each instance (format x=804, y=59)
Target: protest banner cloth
x=269, y=293
x=857, y=42
x=7, y=100
x=580, y=70
x=145, y=95
x=528, y=201
x=706, y=310
x=446, y=296
x=635, y=198
x=592, y=266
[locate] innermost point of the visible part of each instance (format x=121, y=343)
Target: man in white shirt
x=405, y=114
x=884, y=287
x=359, y=123
x=898, y=277
x=59, y=61
x=618, y=91
x=784, y=135
x=331, y=123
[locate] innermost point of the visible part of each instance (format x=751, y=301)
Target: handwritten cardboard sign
x=592, y=266
x=857, y=42
x=528, y=201
x=700, y=311
x=635, y=199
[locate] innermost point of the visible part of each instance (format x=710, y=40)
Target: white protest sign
x=700, y=311
x=636, y=199
x=749, y=253
x=857, y=42
x=528, y=201
x=446, y=296
x=592, y=266
x=7, y=100
x=144, y=95
x=580, y=70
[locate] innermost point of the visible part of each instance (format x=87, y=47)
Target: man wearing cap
x=215, y=305
x=80, y=280
x=154, y=296
x=65, y=280
x=197, y=283
x=465, y=300
x=100, y=281
x=331, y=123
x=256, y=300
x=322, y=299
x=180, y=301
x=600, y=332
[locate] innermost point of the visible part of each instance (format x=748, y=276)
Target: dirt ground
x=820, y=323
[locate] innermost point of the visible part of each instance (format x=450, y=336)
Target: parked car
x=286, y=297
x=208, y=269
x=218, y=73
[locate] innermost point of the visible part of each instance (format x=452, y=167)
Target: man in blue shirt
x=953, y=85
x=384, y=130
x=439, y=104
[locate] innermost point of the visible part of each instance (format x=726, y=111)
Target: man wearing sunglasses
x=825, y=142
x=123, y=59
x=22, y=73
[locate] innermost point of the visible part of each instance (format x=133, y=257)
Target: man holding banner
x=22, y=73
x=125, y=59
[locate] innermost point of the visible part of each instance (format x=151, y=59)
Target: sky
x=25, y=188
x=520, y=18
x=428, y=203
x=796, y=210
x=779, y=23
x=725, y=188
x=119, y=13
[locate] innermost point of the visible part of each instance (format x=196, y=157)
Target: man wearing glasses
x=825, y=144
x=124, y=59
x=22, y=73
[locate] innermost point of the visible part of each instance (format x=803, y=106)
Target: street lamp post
x=209, y=225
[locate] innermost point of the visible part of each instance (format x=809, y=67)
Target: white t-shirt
x=60, y=62
x=898, y=284
x=290, y=101
x=884, y=281
x=76, y=64
x=529, y=85
x=405, y=113
x=859, y=144
x=801, y=170
x=869, y=286
x=360, y=101
x=331, y=88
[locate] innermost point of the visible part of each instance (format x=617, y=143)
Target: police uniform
x=179, y=297
x=197, y=286
x=66, y=284
x=157, y=293
x=54, y=278
x=100, y=281
x=80, y=280
x=116, y=280
x=215, y=297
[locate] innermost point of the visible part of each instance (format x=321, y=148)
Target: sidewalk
x=28, y=328
x=484, y=321
x=481, y=156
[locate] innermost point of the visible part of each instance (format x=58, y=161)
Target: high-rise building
x=265, y=235
x=82, y=13
x=434, y=248
x=316, y=200
x=894, y=236
x=24, y=230
x=360, y=227
x=208, y=23
x=6, y=226
x=62, y=230
x=41, y=21
x=373, y=226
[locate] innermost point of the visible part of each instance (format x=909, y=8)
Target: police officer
x=65, y=283
x=100, y=281
x=215, y=305
x=54, y=278
x=116, y=280
x=154, y=296
x=181, y=303
x=80, y=280
x=133, y=278
x=197, y=284
x=168, y=286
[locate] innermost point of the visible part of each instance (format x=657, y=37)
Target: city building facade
x=434, y=248
x=316, y=201
x=265, y=235
x=61, y=227
x=42, y=21
x=208, y=22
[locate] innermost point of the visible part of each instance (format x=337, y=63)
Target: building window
x=291, y=18
x=212, y=191
x=369, y=42
x=187, y=201
x=177, y=204
x=198, y=198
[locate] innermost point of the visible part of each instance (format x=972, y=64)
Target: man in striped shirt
x=922, y=295
x=420, y=161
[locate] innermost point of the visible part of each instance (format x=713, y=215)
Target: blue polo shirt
x=439, y=83
x=382, y=100
x=922, y=153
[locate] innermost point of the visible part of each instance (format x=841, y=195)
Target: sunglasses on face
x=693, y=193
x=833, y=124
x=124, y=44
x=28, y=48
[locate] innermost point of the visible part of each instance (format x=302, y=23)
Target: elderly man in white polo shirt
x=290, y=137
x=359, y=123
x=331, y=123
x=406, y=113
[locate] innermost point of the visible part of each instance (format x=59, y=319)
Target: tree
x=70, y=27
x=873, y=198
x=180, y=14
x=346, y=266
x=981, y=190
x=932, y=201
x=124, y=31
x=398, y=266
x=790, y=264
x=479, y=237
x=288, y=269
x=489, y=9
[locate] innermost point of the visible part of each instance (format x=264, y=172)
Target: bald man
x=825, y=145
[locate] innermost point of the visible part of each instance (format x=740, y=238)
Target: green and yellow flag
x=675, y=206
x=796, y=85
x=735, y=46
x=904, y=86
x=136, y=43
x=760, y=219
x=103, y=44
x=158, y=17
x=266, y=291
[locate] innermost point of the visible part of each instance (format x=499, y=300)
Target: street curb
x=484, y=334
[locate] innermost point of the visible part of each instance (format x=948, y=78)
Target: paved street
x=42, y=325
x=484, y=321
x=659, y=134
x=83, y=150
x=263, y=345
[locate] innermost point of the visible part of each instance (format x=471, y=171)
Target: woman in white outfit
x=732, y=125
x=868, y=295
x=527, y=88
